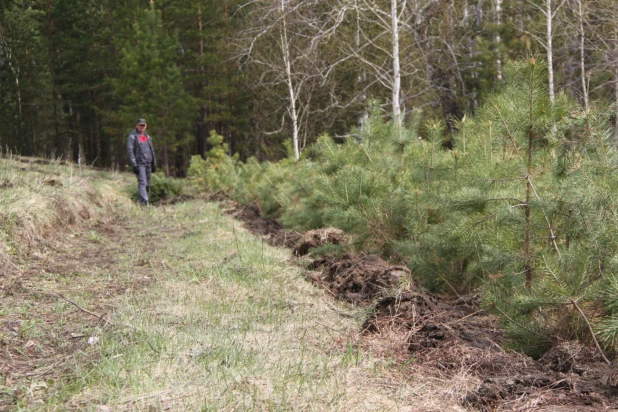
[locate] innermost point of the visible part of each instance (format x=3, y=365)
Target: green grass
x=202, y=314
x=229, y=325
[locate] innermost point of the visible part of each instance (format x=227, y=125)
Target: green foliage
x=162, y=187
x=528, y=190
x=150, y=84
x=218, y=172
x=219, y=149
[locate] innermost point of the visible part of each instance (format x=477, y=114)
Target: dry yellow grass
x=39, y=198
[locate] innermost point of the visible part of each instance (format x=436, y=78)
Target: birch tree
x=595, y=34
x=582, y=51
x=549, y=12
x=605, y=44
x=378, y=46
x=578, y=31
x=392, y=50
x=497, y=37
x=283, y=43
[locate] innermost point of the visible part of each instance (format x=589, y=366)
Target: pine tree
x=150, y=85
x=24, y=79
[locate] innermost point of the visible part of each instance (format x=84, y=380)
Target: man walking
x=142, y=159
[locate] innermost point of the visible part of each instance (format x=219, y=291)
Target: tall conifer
x=150, y=85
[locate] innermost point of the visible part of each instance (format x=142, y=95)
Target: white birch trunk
x=550, y=53
x=614, y=61
x=582, y=54
x=362, y=77
x=396, y=67
x=498, y=39
x=285, y=48
x=616, y=105
x=81, y=155
x=16, y=74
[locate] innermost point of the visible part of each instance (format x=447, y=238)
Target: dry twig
x=82, y=309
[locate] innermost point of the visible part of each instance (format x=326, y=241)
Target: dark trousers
x=143, y=183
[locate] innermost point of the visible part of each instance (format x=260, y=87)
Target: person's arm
x=154, y=157
x=131, y=150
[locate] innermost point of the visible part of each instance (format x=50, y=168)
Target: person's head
x=141, y=125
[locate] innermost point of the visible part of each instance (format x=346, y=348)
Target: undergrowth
x=521, y=209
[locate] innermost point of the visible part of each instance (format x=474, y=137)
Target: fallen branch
x=594, y=338
x=339, y=312
x=83, y=310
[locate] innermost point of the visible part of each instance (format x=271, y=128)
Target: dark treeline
x=75, y=75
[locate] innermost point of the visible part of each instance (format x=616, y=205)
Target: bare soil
x=444, y=335
x=269, y=229
x=358, y=280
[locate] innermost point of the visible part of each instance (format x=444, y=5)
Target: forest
x=271, y=76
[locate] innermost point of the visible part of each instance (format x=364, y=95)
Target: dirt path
x=179, y=308
x=61, y=298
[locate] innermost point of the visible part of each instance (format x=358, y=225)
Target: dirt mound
x=570, y=357
x=446, y=336
x=359, y=280
x=449, y=335
x=269, y=229
x=274, y=233
x=432, y=321
x=319, y=237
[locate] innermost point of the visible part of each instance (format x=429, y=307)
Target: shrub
x=162, y=188
x=218, y=172
x=522, y=209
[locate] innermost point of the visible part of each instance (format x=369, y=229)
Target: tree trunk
x=98, y=160
x=616, y=103
x=528, y=208
x=582, y=54
x=229, y=71
x=201, y=131
x=30, y=111
x=396, y=68
x=285, y=48
x=498, y=39
x=550, y=53
x=165, y=154
x=57, y=143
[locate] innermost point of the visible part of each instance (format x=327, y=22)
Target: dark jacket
x=139, y=149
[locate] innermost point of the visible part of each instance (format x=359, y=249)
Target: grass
x=220, y=334
x=174, y=308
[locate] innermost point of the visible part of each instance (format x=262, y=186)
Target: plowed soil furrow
x=447, y=336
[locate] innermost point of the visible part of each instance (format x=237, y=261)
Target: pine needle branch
x=551, y=230
x=581, y=313
x=510, y=319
